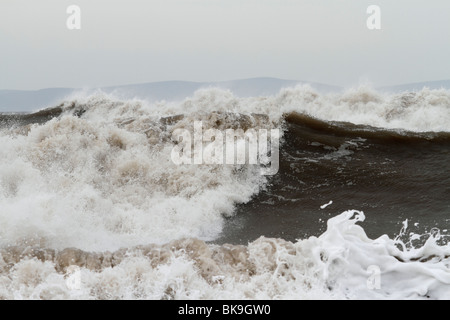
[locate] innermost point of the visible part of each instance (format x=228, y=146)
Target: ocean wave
x=102, y=166
x=343, y=263
x=94, y=174
x=422, y=111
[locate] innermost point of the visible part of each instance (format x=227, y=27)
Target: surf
x=90, y=182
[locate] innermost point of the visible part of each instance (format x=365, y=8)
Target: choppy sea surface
x=92, y=207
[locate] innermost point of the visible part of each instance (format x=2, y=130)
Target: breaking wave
x=94, y=174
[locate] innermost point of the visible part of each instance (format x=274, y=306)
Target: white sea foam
x=423, y=111
x=95, y=186
x=426, y=110
x=104, y=181
x=340, y=264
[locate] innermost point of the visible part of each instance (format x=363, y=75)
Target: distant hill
x=23, y=101
x=178, y=90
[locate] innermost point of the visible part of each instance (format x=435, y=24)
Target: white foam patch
x=326, y=205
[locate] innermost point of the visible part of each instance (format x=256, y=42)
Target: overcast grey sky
x=133, y=41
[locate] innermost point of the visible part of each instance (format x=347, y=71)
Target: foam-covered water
x=112, y=185
x=97, y=177
x=340, y=264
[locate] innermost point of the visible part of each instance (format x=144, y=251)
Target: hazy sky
x=133, y=41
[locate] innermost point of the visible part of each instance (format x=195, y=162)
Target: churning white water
x=102, y=180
